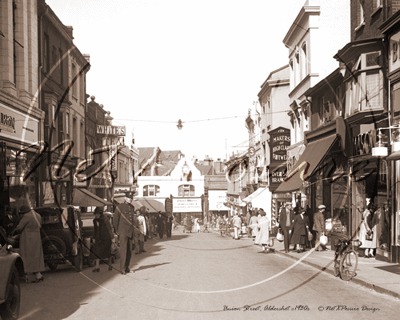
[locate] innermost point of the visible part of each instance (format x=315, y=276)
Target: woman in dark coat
x=103, y=237
x=160, y=225
x=300, y=230
x=30, y=243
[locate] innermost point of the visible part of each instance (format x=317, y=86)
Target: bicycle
x=346, y=259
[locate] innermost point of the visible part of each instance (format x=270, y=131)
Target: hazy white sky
x=154, y=62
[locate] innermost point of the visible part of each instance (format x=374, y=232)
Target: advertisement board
x=187, y=205
x=216, y=199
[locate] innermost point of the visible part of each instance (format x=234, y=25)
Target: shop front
x=19, y=136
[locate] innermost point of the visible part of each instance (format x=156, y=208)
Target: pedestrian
x=30, y=242
x=103, y=237
x=263, y=230
x=319, y=226
x=168, y=225
x=253, y=225
x=189, y=224
x=300, y=230
x=185, y=219
x=368, y=230
x=286, y=217
x=124, y=227
x=11, y=220
x=160, y=224
x=237, y=225
x=142, y=229
x=196, y=225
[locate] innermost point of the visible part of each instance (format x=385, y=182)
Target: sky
x=154, y=62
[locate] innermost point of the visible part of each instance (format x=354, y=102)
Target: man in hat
x=124, y=224
x=286, y=217
x=319, y=226
x=139, y=245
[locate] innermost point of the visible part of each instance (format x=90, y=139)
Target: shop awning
x=152, y=205
x=84, y=198
x=254, y=195
x=308, y=162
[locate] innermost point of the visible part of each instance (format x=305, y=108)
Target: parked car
x=11, y=270
x=62, y=236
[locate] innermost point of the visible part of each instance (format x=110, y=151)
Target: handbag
x=310, y=236
x=323, y=240
x=369, y=236
x=279, y=235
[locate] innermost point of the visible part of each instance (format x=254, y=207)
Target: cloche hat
x=24, y=209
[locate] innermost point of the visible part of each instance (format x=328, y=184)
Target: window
x=304, y=61
x=377, y=4
x=396, y=99
x=186, y=190
x=73, y=74
x=360, y=15
x=14, y=40
x=81, y=141
x=60, y=66
x=75, y=136
x=60, y=127
x=67, y=125
x=46, y=55
x=82, y=88
x=151, y=190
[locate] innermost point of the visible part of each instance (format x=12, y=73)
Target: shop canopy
x=307, y=164
x=260, y=199
x=84, y=198
x=152, y=205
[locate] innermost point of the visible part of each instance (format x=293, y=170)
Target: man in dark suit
x=124, y=227
x=286, y=217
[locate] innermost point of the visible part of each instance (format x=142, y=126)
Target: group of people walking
x=191, y=224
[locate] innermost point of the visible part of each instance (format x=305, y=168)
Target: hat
x=302, y=210
x=142, y=210
x=98, y=210
x=24, y=209
x=321, y=207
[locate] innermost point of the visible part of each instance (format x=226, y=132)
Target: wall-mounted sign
x=187, y=205
x=394, y=55
x=216, y=199
x=18, y=126
x=111, y=130
x=279, y=142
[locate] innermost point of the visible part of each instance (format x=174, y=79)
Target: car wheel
x=52, y=266
x=53, y=245
x=77, y=260
x=9, y=310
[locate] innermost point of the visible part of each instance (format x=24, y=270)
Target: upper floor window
x=186, y=190
x=73, y=76
x=364, y=84
x=151, y=190
x=377, y=4
x=304, y=61
x=359, y=15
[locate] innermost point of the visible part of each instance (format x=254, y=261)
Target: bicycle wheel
x=348, y=265
x=336, y=271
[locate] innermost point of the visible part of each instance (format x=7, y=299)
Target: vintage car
x=11, y=270
x=62, y=236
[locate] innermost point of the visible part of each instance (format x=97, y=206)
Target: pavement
x=379, y=276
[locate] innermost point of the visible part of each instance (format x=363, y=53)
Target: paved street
x=202, y=276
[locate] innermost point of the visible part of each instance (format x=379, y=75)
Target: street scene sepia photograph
x=187, y=159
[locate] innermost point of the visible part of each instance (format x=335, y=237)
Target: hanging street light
x=179, y=125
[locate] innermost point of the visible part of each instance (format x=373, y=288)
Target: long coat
x=319, y=222
x=30, y=243
x=102, y=235
x=263, y=231
x=124, y=220
x=299, y=230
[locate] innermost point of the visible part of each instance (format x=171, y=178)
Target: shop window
x=186, y=190
x=151, y=190
x=395, y=97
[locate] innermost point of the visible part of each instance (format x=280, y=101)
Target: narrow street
x=202, y=276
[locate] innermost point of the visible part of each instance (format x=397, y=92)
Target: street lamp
x=179, y=125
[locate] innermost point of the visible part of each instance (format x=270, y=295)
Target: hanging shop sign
x=364, y=142
x=394, y=55
x=111, y=130
x=216, y=199
x=18, y=126
x=186, y=205
x=279, y=143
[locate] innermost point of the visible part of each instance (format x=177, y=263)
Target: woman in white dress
x=262, y=237
x=368, y=230
x=196, y=225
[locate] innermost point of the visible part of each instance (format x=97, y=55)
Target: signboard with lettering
x=216, y=199
x=18, y=126
x=186, y=204
x=394, y=54
x=278, y=143
x=111, y=130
